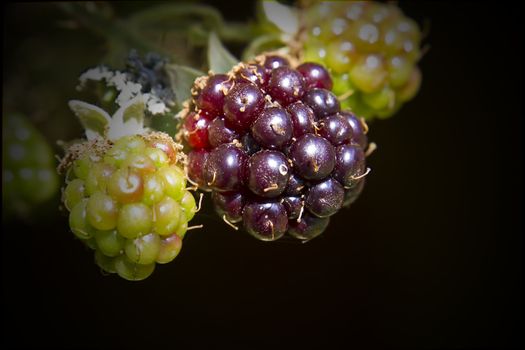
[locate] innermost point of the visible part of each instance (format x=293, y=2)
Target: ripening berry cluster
x=272, y=144
x=28, y=166
x=128, y=201
x=372, y=50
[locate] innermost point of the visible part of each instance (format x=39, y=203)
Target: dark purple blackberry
x=273, y=128
x=266, y=221
x=325, y=198
x=303, y=118
x=229, y=205
x=197, y=159
x=309, y=227
x=273, y=62
x=279, y=156
x=353, y=193
x=286, y=85
x=211, y=97
x=323, y=102
x=349, y=164
x=243, y=104
x=219, y=133
x=268, y=173
x=358, y=128
x=296, y=185
x=293, y=206
x=335, y=129
x=252, y=73
x=315, y=76
x=225, y=168
x=313, y=157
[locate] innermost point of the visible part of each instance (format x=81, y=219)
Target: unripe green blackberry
x=370, y=48
x=126, y=191
x=28, y=174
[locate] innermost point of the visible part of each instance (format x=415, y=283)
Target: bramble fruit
x=126, y=193
x=279, y=154
x=28, y=170
x=370, y=48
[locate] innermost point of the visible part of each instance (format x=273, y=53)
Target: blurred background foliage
x=46, y=52
x=64, y=39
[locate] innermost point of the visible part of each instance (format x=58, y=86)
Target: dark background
x=430, y=256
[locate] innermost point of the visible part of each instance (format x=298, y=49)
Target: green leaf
x=285, y=18
x=262, y=43
x=220, y=60
x=165, y=123
x=181, y=79
x=94, y=119
x=177, y=14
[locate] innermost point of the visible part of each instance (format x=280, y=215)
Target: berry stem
x=272, y=228
x=346, y=95
x=213, y=179
x=368, y=170
x=371, y=148
x=364, y=124
x=229, y=223
x=271, y=188
x=201, y=196
x=194, y=227
x=301, y=212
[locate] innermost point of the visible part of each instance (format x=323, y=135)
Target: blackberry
x=28, y=174
x=370, y=48
x=126, y=191
x=274, y=147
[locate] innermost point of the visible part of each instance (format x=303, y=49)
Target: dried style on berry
x=270, y=141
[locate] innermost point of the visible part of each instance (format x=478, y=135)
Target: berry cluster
x=28, y=169
x=273, y=146
x=128, y=201
x=371, y=48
